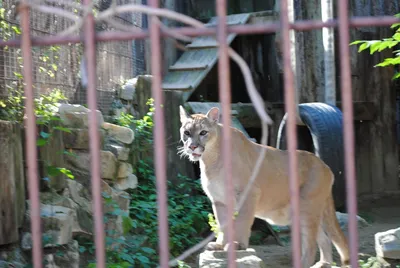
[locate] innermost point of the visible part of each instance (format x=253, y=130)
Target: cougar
x=269, y=198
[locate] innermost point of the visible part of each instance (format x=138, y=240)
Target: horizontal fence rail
x=285, y=26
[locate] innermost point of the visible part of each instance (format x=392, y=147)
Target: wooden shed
x=192, y=80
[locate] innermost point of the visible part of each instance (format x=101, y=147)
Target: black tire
x=323, y=136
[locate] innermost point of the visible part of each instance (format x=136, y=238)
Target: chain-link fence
x=58, y=67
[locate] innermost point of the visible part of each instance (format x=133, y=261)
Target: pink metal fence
x=284, y=26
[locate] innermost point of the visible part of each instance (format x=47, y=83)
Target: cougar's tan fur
x=269, y=198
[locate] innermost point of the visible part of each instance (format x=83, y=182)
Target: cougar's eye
x=187, y=133
x=203, y=132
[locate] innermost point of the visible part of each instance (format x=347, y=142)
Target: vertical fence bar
x=348, y=129
x=30, y=138
x=291, y=108
x=90, y=54
x=225, y=99
x=159, y=138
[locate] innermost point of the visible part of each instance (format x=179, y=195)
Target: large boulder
x=77, y=116
x=219, y=259
x=80, y=162
x=387, y=244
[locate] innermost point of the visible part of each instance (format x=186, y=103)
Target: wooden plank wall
x=376, y=143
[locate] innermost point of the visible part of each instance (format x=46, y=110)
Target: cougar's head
x=197, y=132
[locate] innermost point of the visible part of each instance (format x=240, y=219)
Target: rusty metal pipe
x=348, y=130
x=224, y=83
x=159, y=138
x=291, y=134
x=264, y=28
x=30, y=138
x=94, y=142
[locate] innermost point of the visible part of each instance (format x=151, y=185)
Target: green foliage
x=213, y=223
x=187, y=208
x=380, y=45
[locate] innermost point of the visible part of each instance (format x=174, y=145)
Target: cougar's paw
x=236, y=246
x=322, y=265
x=214, y=246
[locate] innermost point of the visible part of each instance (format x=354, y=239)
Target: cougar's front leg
x=244, y=220
x=220, y=212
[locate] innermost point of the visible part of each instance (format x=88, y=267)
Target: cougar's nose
x=193, y=147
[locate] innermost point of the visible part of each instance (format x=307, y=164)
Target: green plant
x=188, y=208
x=380, y=45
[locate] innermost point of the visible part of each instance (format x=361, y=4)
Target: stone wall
x=66, y=203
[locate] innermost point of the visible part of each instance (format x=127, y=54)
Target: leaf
x=41, y=142
x=357, y=42
x=16, y=29
x=44, y=135
x=396, y=25
x=148, y=250
x=126, y=257
x=396, y=76
x=63, y=129
x=374, y=47
x=143, y=259
x=67, y=173
x=127, y=224
x=363, y=46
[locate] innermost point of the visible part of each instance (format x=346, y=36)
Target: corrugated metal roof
x=195, y=63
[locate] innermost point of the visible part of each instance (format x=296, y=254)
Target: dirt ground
x=381, y=218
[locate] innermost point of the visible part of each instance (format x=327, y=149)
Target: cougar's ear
x=213, y=114
x=184, y=115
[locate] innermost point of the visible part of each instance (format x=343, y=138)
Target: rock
x=12, y=257
x=116, y=207
x=80, y=195
x=387, y=244
x=12, y=182
x=80, y=162
x=129, y=182
x=121, y=152
x=57, y=225
x=77, y=116
x=69, y=257
x=5, y=264
x=122, y=134
x=79, y=139
x=51, y=154
x=119, y=198
x=49, y=262
x=124, y=170
x=127, y=91
x=219, y=259
x=82, y=218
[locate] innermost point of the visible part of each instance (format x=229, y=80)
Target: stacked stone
x=66, y=204
x=116, y=172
